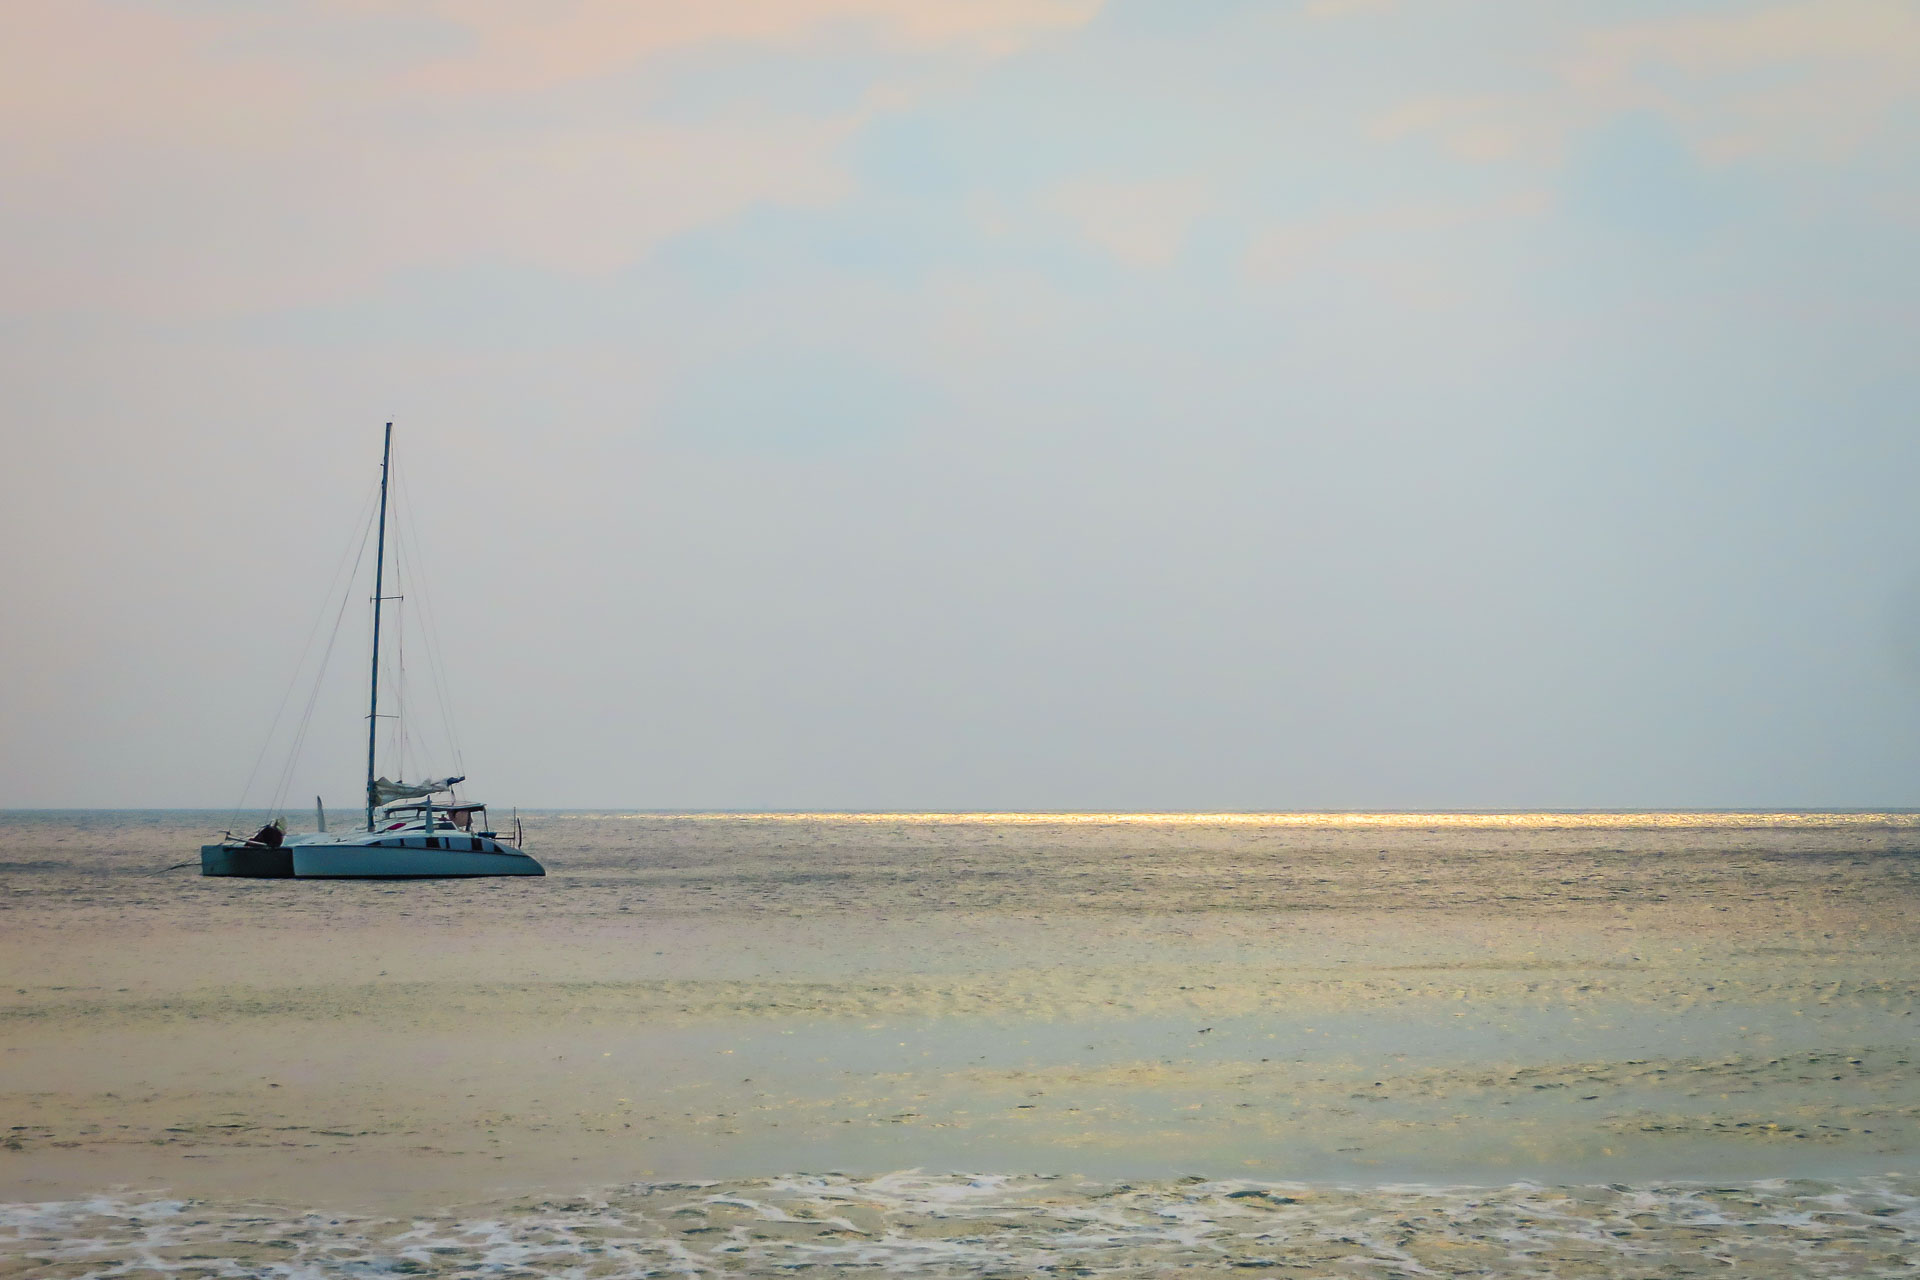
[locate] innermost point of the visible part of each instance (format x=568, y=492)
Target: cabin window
x=433, y=842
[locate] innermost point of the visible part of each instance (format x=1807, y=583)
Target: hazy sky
x=1009, y=404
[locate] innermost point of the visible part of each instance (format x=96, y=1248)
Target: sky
x=1017, y=404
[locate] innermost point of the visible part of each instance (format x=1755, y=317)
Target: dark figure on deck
x=268, y=835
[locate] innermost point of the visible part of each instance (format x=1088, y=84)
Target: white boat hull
x=411, y=857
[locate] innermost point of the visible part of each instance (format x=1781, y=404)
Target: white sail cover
x=385, y=792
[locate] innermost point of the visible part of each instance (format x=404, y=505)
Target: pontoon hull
x=384, y=862
x=256, y=862
x=391, y=858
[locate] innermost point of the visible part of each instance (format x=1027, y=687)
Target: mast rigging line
x=313, y=696
x=357, y=550
x=407, y=555
x=408, y=540
x=397, y=677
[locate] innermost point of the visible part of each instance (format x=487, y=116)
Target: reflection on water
x=1571, y=820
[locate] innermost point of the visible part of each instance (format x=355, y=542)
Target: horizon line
x=1223, y=814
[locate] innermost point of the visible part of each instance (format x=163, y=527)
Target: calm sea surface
x=1005, y=1044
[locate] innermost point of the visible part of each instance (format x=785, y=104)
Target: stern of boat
x=252, y=861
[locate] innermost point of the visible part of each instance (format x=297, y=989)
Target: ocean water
x=952, y=1225
x=718, y=1044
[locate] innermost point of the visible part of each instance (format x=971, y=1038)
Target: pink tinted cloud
x=1800, y=80
x=158, y=160
x=1141, y=224
x=520, y=47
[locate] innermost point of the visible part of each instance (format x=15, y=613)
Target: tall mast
x=379, y=571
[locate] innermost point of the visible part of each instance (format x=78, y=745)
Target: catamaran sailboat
x=409, y=835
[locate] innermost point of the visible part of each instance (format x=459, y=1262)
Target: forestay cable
x=273, y=728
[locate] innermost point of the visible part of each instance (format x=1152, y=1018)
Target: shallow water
x=1632, y=1037
x=915, y=1224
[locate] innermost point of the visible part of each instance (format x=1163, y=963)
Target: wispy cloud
x=1141, y=224
x=1802, y=80
x=385, y=138
x=523, y=47
x=1806, y=78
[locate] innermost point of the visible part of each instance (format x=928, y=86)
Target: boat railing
x=437, y=817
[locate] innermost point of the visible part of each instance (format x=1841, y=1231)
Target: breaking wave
x=941, y=1225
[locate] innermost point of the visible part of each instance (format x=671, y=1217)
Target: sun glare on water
x=1542, y=820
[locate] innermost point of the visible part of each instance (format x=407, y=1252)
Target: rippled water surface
x=1596, y=1044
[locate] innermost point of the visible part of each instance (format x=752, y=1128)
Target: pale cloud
x=521, y=47
x=1140, y=224
x=71, y=74
x=1345, y=8
x=388, y=138
x=365, y=205
x=1480, y=127
x=1802, y=80
x=74, y=66
x=1354, y=240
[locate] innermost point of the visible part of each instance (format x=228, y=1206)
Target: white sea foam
x=959, y=1225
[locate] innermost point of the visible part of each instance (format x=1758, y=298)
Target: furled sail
x=385, y=792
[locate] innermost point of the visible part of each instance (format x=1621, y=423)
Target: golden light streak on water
x=1464, y=820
